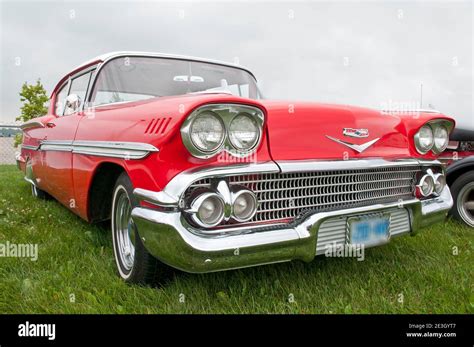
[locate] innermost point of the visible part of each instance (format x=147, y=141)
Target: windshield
x=138, y=78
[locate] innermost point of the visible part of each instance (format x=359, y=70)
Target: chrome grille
x=286, y=196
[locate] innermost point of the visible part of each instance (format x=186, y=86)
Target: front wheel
x=463, y=194
x=134, y=263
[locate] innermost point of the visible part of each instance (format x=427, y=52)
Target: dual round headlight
x=244, y=132
x=431, y=183
x=207, y=131
x=244, y=206
x=208, y=209
x=212, y=128
x=426, y=185
x=441, y=139
x=433, y=137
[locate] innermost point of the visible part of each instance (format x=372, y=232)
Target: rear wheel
x=134, y=263
x=463, y=194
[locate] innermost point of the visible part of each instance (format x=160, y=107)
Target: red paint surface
x=293, y=131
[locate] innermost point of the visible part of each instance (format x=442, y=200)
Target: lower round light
x=441, y=139
x=245, y=206
x=440, y=183
x=426, y=185
x=209, y=210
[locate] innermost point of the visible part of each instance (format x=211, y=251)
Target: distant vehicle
x=460, y=174
x=196, y=171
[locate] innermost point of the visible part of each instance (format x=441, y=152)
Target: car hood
x=307, y=130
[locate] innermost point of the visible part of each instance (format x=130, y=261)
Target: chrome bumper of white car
x=168, y=236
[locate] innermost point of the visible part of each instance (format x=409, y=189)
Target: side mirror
x=73, y=102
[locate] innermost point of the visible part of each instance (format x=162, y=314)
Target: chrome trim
x=56, y=145
x=30, y=147
x=440, y=123
x=238, y=193
x=433, y=123
x=168, y=238
x=417, y=139
x=336, y=165
x=334, y=230
x=223, y=190
x=196, y=204
x=124, y=54
x=226, y=113
x=420, y=184
x=357, y=133
x=124, y=150
x=171, y=195
x=31, y=124
x=358, y=148
x=112, y=55
x=436, y=178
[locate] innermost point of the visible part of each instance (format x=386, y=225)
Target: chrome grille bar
x=285, y=196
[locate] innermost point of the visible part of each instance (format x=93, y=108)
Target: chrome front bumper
x=168, y=236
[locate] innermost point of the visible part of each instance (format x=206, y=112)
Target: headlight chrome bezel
x=418, y=141
x=434, y=126
x=226, y=113
x=435, y=148
x=232, y=137
x=208, y=113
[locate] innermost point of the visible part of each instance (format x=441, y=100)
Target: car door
x=60, y=133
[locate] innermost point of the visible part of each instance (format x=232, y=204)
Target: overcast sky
x=365, y=53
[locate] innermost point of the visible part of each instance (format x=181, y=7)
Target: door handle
x=50, y=125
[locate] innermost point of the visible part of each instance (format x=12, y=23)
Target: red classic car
x=460, y=174
x=196, y=171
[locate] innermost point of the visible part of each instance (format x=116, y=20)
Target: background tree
x=34, y=99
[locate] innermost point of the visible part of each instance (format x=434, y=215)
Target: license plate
x=369, y=230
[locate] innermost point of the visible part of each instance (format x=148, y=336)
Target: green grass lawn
x=75, y=272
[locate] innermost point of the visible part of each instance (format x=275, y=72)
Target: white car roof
x=111, y=55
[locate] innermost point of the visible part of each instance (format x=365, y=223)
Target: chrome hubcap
x=465, y=203
x=124, y=230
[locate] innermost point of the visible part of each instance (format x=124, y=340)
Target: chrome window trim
x=66, y=85
x=172, y=194
x=226, y=144
x=79, y=74
x=124, y=54
x=123, y=150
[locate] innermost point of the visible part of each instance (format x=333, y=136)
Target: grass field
x=75, y=272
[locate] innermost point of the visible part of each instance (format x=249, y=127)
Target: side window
x=78, y=87
x=60, y=99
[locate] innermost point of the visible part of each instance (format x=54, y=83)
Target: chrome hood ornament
x=358, y=148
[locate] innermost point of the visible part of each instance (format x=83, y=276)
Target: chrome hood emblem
x=358, y=148
x=359, y=133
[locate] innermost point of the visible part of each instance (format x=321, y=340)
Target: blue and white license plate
x=369, y=230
